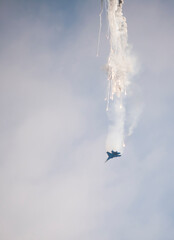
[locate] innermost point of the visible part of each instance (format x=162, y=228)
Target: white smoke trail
x=115, y=138
x=120, y=67
x=99, y=33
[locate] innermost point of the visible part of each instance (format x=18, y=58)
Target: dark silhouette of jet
x=113, y=154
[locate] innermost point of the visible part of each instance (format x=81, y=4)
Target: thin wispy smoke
x=99, y=33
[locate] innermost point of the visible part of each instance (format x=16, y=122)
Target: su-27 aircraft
x=112, y=155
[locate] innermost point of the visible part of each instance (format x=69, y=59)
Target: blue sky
x=54, y=183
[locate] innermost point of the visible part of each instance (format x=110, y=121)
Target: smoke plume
x=120, y=69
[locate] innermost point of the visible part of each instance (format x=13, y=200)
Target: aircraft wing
x=109, y=154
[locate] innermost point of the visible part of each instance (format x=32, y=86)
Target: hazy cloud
x=54, y=183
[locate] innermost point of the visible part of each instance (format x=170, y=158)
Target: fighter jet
x=112, y=155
